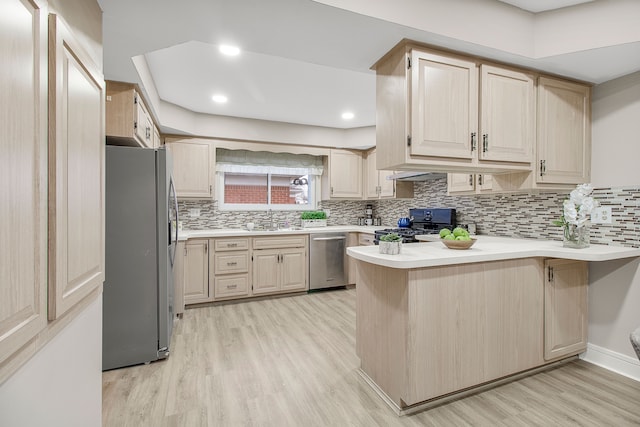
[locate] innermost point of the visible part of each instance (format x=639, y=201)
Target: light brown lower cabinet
x=425, y=333
x=196, y=272
x=280, y=265
x=565, y=308
x=231, y=268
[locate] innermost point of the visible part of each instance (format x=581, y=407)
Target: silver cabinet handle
x=485, y=142
x=473, y=141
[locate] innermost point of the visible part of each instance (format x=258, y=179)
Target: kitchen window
x=258, y=180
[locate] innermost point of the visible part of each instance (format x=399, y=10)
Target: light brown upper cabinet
x=194, y=166
x=563, y=145
x=507, y=115
x=376, y=184
x=564, y=132
x=469, y=183
x=128, y=119
x=76, y=171
x=445, y=112
x=342, y=176
x=23, y=170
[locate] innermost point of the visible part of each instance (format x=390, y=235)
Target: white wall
x=614, y=292
x=616, y=132
x=61, y=386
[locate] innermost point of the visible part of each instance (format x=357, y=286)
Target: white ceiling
x=536, y=6
x=303, y=61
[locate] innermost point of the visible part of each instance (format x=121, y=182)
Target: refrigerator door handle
x=174, y=196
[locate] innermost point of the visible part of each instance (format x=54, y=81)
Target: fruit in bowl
x=457, y=239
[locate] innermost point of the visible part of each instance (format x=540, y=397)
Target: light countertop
x=240, y=232
x=486, y=248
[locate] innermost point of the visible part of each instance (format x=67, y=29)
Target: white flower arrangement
x=577, y=207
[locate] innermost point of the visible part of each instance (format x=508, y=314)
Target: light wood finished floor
x=291, y=362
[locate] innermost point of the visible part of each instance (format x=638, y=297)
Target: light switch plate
x=601, y=215
x=194, y=213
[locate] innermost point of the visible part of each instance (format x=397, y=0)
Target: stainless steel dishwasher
x=327, y=266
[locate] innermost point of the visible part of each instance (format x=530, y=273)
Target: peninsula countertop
x=486, y=248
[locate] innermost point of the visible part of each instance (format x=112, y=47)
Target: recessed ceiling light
x=220, y=99
x=229, y=50
x=348, y=115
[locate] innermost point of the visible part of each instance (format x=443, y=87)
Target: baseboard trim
x=616, y=362
x=438, y=401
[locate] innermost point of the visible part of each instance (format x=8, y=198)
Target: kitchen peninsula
x=433, y=322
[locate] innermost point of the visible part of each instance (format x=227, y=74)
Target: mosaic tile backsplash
x=512, y=215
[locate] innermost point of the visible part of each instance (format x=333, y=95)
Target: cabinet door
x=371, y=176
x=345, y=174
x=484, y=182
x=506, y=115
x=142, y=122
x=76, y=171
x=444, y=105
x=196, y=272
x=461, y=182
x=564, y=132
x=565, y=308
x=193, y=168
x=23, y=171
x=293, y=266
x=387, y=186
x=266, y=271
x=156, y=137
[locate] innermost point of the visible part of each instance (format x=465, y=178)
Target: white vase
x=390, y=248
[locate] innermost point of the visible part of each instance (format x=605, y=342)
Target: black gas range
x=423, y=221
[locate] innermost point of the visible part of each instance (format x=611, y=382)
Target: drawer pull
x=232, y=245
x=232, y=263
x=232, y=286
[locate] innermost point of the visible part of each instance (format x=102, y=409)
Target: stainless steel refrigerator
x=141, y=235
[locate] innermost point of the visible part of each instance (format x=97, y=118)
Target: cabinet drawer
x=365, y=239
x=231, y=244
x=279, y=242
x=231, y=286
x=231, y=262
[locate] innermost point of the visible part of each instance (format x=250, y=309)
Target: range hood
x=416, y=176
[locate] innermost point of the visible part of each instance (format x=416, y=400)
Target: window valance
x=245, y=161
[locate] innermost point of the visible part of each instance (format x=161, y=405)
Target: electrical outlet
x=601, y=215
x=327, y=212
x=194, y=213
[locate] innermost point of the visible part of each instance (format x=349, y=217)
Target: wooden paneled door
x=266, y=271
x=196, y=271
x=507, y=115
x=76, y=171
x=193, y=168
x=565, y=308
x=444, y=105
x=23, y=173
x=564, y=132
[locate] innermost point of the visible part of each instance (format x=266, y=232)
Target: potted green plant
x=390, y=244
x=313, y=219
